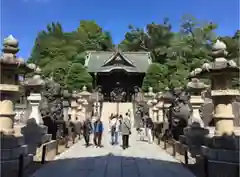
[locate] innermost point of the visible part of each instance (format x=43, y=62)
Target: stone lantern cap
x=66, y=94
x=159, y=96
x=220, y=64
x=85, y=94
x=168, y=97
x=36, y=80
x=196, y=84
x=8, y=57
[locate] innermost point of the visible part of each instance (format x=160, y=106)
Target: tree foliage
x=154, y=77
x=62, y=54
x=56, y=52
x=177, y=52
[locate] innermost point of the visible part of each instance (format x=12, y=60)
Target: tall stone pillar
x=35, y=133
x=34, y=86
x=148, y=97
x=66, y=105
x=160, y=111
x=12, y=143
x=196, y=87
x=74, y=106
x=86, y=106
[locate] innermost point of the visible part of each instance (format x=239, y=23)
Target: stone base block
x=230, y=156
x=34, y=145
x=226, y=142
x=195, y=131
x=183, y=139
x=11, y=141
x=46, y=138
x=11, y=166
x=218, y=169
x=13, y=153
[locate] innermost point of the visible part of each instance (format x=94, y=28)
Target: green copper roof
x=101, y=61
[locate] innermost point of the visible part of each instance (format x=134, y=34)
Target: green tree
x=77, y=77
x=155, y=77
x=56, y=51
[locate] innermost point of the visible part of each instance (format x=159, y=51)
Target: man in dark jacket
x=126, y=131
x=87, y=130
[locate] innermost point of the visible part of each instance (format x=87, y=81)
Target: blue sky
x=25, y=18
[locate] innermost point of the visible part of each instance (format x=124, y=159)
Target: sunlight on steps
x=109, y=108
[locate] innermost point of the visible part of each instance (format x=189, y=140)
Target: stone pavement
x=139, y=160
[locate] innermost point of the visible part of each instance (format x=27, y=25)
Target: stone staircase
x=107, y=109
x=124, y=107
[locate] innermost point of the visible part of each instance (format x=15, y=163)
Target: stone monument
x=86, y=107
x=12, y=143
x=35, y=133
x=195, y=88
x=194, y=133
x=223, y=147
x=66, y=105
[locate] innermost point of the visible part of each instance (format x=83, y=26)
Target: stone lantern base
x=194, y=138
x=222, y=153
x=12, y=146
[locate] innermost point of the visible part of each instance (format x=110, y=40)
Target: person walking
x=114, y=130
x=87, y=130
x=126, y=131
x=149, y=126
x=140, y=130
x=98, y=130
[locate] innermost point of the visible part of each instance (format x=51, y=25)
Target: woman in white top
x=114, y=129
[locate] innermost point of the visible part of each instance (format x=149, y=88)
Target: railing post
x=165, y=143
x=205, y=164
x=73, y=137
x=66, y=141
x=159, y=139
x=20, y=165
x=43, y=154
x=174, y=148
x=185, y=155
x=57, y=143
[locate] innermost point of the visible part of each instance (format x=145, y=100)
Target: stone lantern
x=74, y=106
x=96, y=100
x=224, y=146
x=167, y=98
x=148, y=98
x=195, y=88
x=11, y=142
x=80, y=110
x=159, y=106
x=221, y=73
x=86, y=96
x=35, y=133
x=66, y=105
x=34, y=86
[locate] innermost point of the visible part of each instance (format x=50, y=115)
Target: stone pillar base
x=194, y=138
x=12, y=146
x=222, y=153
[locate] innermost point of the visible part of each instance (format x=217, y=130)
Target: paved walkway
x=140, y=160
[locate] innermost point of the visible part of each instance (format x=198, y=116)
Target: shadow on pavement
x=112, y=166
